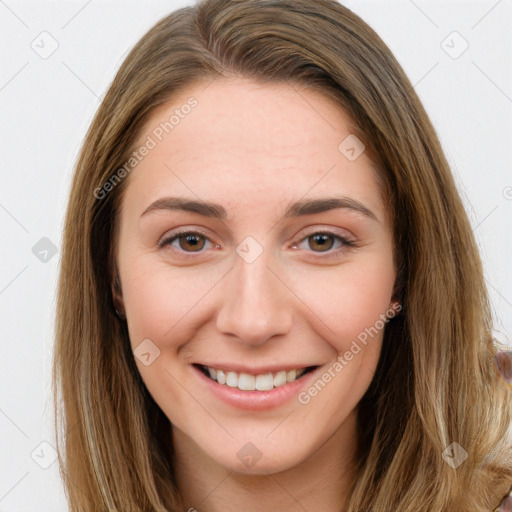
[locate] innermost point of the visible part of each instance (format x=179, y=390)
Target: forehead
x=241, y=139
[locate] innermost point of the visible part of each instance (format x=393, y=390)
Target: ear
x=117, y=294
x=396, y=298
x=398, y=288
x=396, y=306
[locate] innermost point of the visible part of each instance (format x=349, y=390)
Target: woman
x=270, y=295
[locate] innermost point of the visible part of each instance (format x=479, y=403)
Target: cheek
x=348, y=301
x=159, y=300
x=352, y=310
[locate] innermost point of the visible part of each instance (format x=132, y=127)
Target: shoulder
x=506, y=503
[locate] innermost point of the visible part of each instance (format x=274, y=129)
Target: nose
x=255, y=304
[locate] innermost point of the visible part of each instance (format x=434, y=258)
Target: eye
x=320, y=242
x=188, y=241
x=324, y=241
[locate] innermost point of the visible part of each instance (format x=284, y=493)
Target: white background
x=47, y=104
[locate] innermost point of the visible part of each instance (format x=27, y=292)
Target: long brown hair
x=436, y=382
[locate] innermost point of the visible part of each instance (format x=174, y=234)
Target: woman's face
x=253, y=244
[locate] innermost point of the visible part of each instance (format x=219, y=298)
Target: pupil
x=321, y=240
x=192, y=240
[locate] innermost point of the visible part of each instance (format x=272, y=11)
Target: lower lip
x=255, y=400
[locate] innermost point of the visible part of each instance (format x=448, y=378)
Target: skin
x=255, y=149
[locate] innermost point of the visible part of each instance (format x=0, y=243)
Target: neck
x=322, y=482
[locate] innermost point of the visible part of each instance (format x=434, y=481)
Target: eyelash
x=346, y=243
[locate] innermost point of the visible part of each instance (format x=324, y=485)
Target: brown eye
x=191, y=241
x=321, y=241
x=326, y=243
x=188, y=241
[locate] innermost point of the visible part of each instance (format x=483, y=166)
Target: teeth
x=290, y=376
x=246, y=382
x=232, y=379
x=280, y=379
x=264, y=382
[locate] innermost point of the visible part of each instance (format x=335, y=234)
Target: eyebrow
x=297, y=209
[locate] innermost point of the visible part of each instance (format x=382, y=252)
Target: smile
x=250, y=382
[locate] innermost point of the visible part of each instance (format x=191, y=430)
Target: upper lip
x=256, y=370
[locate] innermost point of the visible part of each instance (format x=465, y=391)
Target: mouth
x=254, y=382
